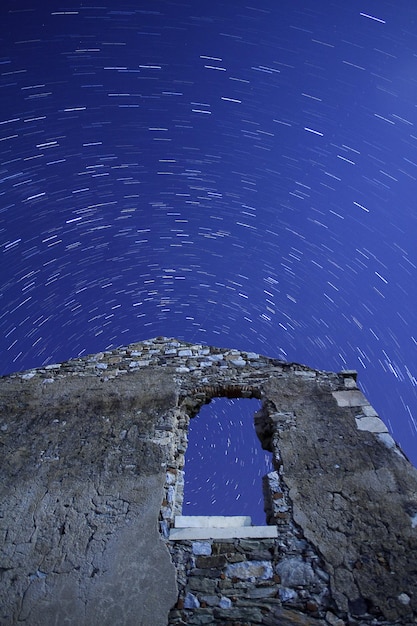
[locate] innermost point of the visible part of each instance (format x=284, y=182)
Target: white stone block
x=372, y=424
x=305, y=374
x=250, y=570
x=352, y=397
x=202, y=548
x=212, y=521
x=369, y=411
x=387, y=440
x=350, y=383
x=28, y=376
x=242, y=532
x=238, y=362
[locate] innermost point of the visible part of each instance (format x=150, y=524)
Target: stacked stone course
x=255, y=581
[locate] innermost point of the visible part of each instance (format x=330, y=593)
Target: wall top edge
x=163, y=351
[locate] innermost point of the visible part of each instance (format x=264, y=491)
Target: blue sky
x=231, y=175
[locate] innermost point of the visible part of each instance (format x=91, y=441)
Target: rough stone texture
x=81, y=489
x=92, y=457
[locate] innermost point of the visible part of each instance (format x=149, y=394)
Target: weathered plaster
x=82, y=483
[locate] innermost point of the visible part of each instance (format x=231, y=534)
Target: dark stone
x=205, y=562
x=199, y=617
x=223, y=547
x=205, y=573
x=358, y=607
x=246, y=614
x=262, y=592
x=205, y=585
x=288, y=617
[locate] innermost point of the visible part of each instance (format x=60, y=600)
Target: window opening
x=224, y=461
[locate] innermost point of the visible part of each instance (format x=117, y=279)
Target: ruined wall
x=92, y=457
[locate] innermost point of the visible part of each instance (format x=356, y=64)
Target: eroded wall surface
x=92, y=475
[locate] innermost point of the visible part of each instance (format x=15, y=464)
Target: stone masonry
x=92, y=476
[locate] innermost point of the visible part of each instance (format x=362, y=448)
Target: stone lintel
x=241, y=532
x=212, y=521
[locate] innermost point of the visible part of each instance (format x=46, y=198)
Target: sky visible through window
x=225, y=462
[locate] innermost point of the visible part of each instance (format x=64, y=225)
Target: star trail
x=241, y=176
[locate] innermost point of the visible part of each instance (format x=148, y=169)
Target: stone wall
x=255, y=581
x=92, y=467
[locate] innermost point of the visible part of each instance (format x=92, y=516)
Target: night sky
x=236, y=175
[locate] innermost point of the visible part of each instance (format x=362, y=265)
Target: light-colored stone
x=404, y=598
x=247, y=570
x=350, y=383
x=191, y=601
x=372, y=424
x=238, y=362
x=201, y=548
x=295, y=572
x=28, y=375
x=352, y=397
x=225, y=603
x=369, y=411
x=256, y=532
x=387, y=440
x=286, y=594
x=144, y=363
x=305, y=374
x=215, y=357
x=212, y=521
